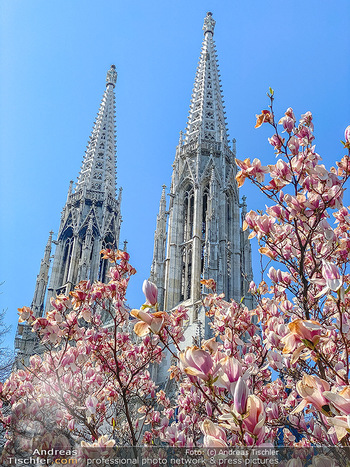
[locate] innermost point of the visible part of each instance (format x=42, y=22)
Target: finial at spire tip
x=111, y=77
x=209, y=23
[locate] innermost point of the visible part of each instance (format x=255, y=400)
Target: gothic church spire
x=90, y=221
x=206, y=120
x=204, y=236
x=91, y=216
x=42, y=280
x=98, y=168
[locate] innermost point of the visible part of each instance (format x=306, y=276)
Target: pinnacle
x=111, y=77
x=209, y=23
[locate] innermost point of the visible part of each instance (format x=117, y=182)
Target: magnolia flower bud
x=293, y=145
x=347, y=134
x=240, y=396
x=151, y=292
x=276, y=141
x=253, y=288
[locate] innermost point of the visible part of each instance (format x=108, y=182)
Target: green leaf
x=271, y=91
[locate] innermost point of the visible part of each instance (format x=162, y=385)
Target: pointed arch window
x=186, y=273
x=229, y=230
x=66, y=257
x=205, y=200
x=205, y=210
x=188, y=216
x=188, y=212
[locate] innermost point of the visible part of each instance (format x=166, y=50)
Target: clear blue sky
x=54, y=57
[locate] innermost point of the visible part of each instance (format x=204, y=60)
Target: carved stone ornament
x=209, y=23
x=111, y=77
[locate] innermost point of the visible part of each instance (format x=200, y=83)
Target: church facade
x=198, y=233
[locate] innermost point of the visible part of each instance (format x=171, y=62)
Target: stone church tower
x=199, y=236
x=90, y=221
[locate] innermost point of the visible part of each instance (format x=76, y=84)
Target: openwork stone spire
x=98, y=168
x=203, y=238
x=206, y=119
x=90, y=222
x=42, y=280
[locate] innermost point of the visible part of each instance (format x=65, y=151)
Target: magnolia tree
x=279, y=371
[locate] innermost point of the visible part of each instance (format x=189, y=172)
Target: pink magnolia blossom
x=91, y=404
x=151, y=292
x=255, y=420
x=289, y=113
x=322, y=460
x=252, y=170
x=214, y=436
x=341, y=400
x=311, y=389
x=288, y=123
x=279, y=276
x=253, y=288
x=149, y=322
x=102, y=442
x=305, y=136
x=347, y=135
x=306, y=119
x=196, y=362
x=276, y=141
x=331, y=274
x=293, y=145
x=240, y=396
x=281, y=170
x=229, y=372
x=211, y=345
x=303, y=334
x=252, y=422
x=341, y=426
